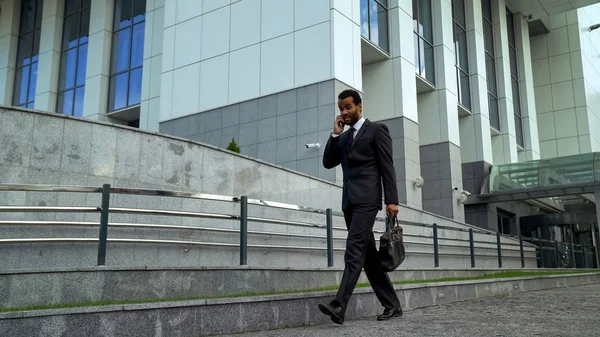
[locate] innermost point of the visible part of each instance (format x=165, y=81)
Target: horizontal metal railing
x=420, y=239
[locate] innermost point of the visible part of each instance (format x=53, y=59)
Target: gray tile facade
x=406, y=156
x=441, y=168
x=272, y=128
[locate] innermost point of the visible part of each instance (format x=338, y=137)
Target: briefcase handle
x=391, y=222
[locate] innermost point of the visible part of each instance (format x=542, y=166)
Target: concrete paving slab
x=571, y=311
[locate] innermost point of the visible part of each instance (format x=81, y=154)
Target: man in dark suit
x=365, y=153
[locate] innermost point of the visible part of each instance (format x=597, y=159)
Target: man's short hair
x=350, y=93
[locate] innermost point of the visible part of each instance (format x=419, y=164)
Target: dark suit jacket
x=366, y=164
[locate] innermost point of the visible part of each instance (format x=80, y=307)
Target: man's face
x=349, y=111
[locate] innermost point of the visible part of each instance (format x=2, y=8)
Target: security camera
x=313, y=145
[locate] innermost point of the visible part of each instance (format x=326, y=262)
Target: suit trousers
x=361, y=251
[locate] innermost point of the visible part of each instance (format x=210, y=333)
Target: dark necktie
x=351, y=134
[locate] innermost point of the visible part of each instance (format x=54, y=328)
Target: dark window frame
x=460, y=72
x=114, y=74
x=83, y=6
x=33, y=57
x=420, y=40
x=381, y=4
x=491, y=57
x=514, y=77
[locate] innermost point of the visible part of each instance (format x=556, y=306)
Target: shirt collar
x=359, y=124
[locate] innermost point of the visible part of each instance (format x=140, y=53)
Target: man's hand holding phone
x=338, y=126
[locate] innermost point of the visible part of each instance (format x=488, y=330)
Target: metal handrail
x=62, y=209
x=105, y=209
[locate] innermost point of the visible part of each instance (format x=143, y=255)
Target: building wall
x=563, y=115
x=274, y=128
x=590, y=51
x=217, y=53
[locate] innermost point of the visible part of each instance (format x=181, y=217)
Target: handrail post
x=436, y=251
x=521, y=250
x=499, y=247
x=573, y=257
x=472, y=247
x=541, y=244
x=244, y=231
x=329, y=214
x=103, y=225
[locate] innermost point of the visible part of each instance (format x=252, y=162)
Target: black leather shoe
x=390, y=313
x=334, y=311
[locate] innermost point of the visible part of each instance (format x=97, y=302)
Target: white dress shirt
x=356, y=127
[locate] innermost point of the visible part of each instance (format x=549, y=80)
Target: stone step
x=44, y=287
x=241, y=314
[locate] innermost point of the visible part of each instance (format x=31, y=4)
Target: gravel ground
x=558, y=312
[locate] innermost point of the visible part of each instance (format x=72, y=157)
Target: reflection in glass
x=461, y=53
x=422, y=26
x=127, y=54
x=514, y=73
x=374, y=22
x=27, y=53
x=71, y=82
x=490, y=64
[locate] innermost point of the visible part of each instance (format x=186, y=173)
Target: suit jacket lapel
x=360, y=132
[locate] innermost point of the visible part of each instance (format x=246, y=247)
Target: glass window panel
x=488, y=37
x=81, y=65
x=118, y=91
x=490, y=66
x=85, y=26
x=516, y=97
x=32, y=81
x=511, y=28
x=465, y=89
x=86, y=3
x=384, y=3
x=78, y=104
x=139, y=10
x=31, y=105
x=459, y=12
x=383, y=28
x=71, y=32
x=461, y=49
x=137, y=47
x=514, y=70
x=72, y=6
x=65, y=102
x=27, y=16
x=123, y=9
x=494, y=115
x=38, y=14
x=25, y=50
x=373, y=22
x=21, y=85
x=120, y=51
x=417, y=61
x=486, y=8
x=68, y=68
x=36, y=46
x=364, y=18
x=429, y=63
x=425, y=20
x=415, y=4
x=135, y=86
x=519, y=131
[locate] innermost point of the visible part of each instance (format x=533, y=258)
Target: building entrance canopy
x=544, y=178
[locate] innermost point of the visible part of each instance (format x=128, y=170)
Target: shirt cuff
x=334, y=135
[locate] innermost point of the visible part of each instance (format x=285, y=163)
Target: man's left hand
x=391, y=210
